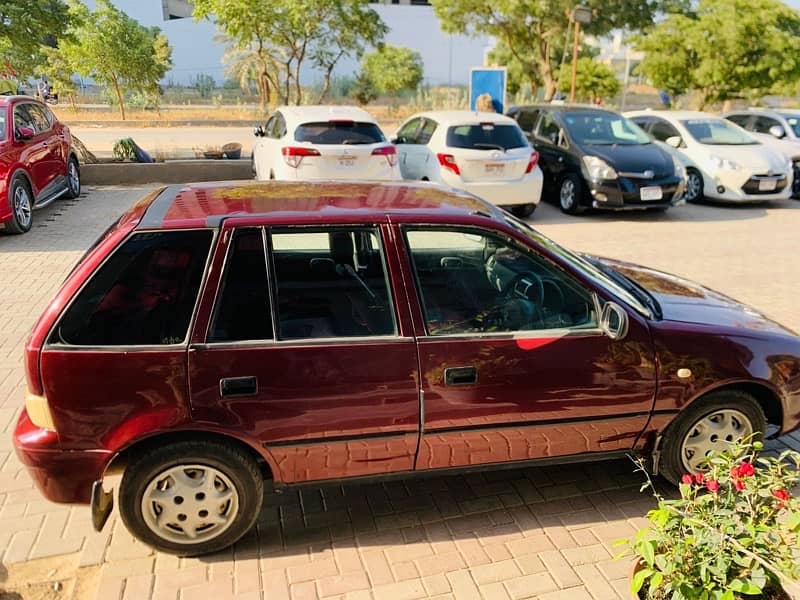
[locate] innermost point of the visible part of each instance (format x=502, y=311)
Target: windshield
x=486, y=136
x=598, y=128
x=794, y=123
x=579, y=263
x=717, y=132
x=339, y=132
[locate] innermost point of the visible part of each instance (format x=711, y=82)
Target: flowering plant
x=733, y=532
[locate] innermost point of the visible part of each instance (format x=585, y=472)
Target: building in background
x=448, y=58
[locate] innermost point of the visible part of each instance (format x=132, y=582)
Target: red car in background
x=37, y=161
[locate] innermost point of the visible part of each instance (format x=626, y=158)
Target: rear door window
x=339, y=132
x=486, y=136
x=144, y=294
x=331, y=283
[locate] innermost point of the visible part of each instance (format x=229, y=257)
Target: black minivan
x=596, y=158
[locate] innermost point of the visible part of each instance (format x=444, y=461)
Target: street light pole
x=580, y=15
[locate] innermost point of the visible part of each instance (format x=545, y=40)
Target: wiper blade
x=489, y=146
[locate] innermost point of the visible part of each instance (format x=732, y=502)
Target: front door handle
x=231, y=387
x=460, y=376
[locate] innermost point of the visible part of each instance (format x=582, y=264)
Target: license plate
x=767, y=185
x=652, y=192
x=494, y=168
x=346, y=161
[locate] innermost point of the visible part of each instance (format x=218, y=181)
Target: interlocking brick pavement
x=539, y=532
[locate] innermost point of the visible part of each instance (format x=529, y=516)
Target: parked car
x=729, y=164
x=221, y=333
x=483, y=153
x=323, y=142
x=37, y=162
x=777, y=128
x=595, y=158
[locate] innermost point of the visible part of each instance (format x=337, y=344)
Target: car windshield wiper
x=489, y=146
x=349, y=142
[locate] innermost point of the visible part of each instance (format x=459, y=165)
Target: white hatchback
x=323, y=142
x=485, y=154
x=724, y=162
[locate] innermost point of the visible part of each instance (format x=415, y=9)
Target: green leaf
x=728, y=595
x=639, y=578
x=648, y=552
x=744, y=586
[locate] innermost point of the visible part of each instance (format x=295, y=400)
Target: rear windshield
x=339, y=132
x=486, y=136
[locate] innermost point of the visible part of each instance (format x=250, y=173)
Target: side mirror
x=259, y=132
x=675, y=141
x=777, y=131
x=25, y=133
x=614, y=321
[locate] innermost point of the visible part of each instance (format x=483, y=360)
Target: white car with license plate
x=483, y=153
x=323, y=142
x=726, y=162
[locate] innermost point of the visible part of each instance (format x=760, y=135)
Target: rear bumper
x=624, y=193
x=527, y=190
x=65, y=476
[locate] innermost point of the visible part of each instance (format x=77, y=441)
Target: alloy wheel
x=190, y=504
x=22, y=206
x=567, y=194
x=713, y=433
x=74, y=178
x=694, y=187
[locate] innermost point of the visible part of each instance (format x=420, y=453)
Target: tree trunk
x=326, y=82
x=119, y=97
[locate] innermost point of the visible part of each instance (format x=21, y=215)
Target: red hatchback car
x=221, y=334
x=37, y=162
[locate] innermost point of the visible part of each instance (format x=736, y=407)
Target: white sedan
x=726, y=162
x=323, y=142
x=485, y=154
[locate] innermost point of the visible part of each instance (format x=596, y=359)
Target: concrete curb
x=173, y=171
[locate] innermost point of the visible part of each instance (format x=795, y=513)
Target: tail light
x=390, y=152
x=532, y=162
x=448, y=161
x=293, y=155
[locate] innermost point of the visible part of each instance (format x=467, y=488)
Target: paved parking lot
x=523, y=533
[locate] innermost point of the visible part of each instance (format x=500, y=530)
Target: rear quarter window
x=144, y=294
x=486, y=136
x=339, y=132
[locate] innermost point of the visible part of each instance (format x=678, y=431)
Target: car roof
x=673, y=114
x=320, y=112
x=463, y=117
x=318, y=202
x=6, y=99
x=575, y=107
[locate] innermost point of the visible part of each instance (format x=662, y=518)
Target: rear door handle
x=238, y=386
x=460, y=376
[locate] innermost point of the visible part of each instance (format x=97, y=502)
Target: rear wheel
x=569, y=195
x=523, y=211
x=710, y=424
x=73, y=178
x=20, y=199
x=191, y=498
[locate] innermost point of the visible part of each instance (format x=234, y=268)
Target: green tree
x=116, y=51
x=60, y=72
x=363, y=90
x=726, y=49
x=280, y=36
x=392, y=69
x=204, y=84
x=593, y=80
x=26, y=28
x=534, y=31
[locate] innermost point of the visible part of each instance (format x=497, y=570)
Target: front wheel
x=523, y=211
x=191, y=498
x=21, y=200
x=710, y=424
x=694, y=186
x=569, y=195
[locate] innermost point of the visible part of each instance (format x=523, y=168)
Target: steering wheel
x=534, y=292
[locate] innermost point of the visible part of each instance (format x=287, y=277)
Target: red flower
x=738, y=484
x=782, y=496
x=687, y=479
x=699, y=478
x=712, y=485
x=746, y=469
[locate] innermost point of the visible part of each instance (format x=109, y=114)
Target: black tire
x=672, y=465
x=73, y=178
x=694, y=185
x=570, y=193
x=20, y=196
x=522, y=211
x=233, y=464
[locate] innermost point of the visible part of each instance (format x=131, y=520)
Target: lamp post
x=581, y=15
